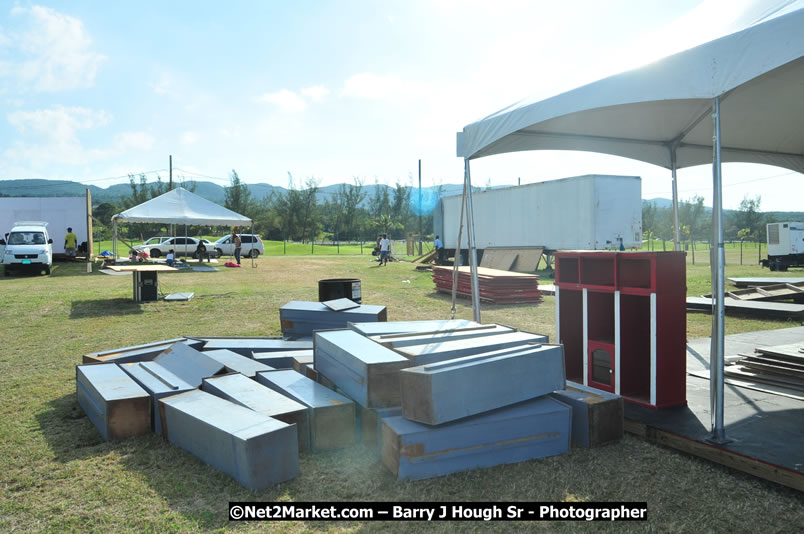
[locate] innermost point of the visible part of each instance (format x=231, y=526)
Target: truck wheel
x=219, y=252
x=253, y=253
x=47, y=269
x=155, y=253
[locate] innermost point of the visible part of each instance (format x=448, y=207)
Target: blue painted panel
x=236, y=363
x=365, y=370
x=246, y=346
x=525, y=431
x=190, y=365
x=116, y=405
x=448, y=350
x=158, y=382
x=405, y=340
x=248, y=393
x=400, y=327
x=281, y=359
x=303, y=317
x=255, y=450
x=446, y=391
x=597, y=415
x=138, y=353
x=332, y=416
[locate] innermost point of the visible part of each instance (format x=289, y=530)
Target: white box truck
x=785, y=246
x=580, y=213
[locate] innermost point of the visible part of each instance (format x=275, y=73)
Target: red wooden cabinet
x=621, y=317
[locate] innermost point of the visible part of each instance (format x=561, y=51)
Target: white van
x=28, y=247
x=252, y=245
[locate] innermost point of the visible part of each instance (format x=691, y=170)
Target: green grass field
x=57, y=474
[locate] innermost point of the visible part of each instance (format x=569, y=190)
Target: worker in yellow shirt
x=70, y=242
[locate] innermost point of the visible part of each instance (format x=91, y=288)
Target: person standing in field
x=439, y=246
x=385, y=249
x=238, y=244
x=70, y=242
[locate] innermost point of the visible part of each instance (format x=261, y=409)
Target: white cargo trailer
x=59, y=212
x=579, y=213
x=785, y=246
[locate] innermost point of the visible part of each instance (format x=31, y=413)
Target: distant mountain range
x=209, y=190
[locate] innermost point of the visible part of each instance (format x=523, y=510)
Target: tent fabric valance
x=180, y=206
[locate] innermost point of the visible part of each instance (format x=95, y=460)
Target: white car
x=28, y=247
x=181, y=246
x=252, y=245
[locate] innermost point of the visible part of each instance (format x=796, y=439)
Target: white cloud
x=134, y=140
x=55, y=131
x=316, y=93
x=287, y=101
x=59, y=123
x=189, y=138
x=57, y=52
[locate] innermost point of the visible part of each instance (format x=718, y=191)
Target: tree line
x=695, y=221
x=297, y=215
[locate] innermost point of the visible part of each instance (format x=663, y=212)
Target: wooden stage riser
x=158, y=382
x=250, y=394
x=597, y=416
x=191, y=365
x=365, y=370
x=454, y=389
x=255, y=450
x=332, y=416
x=235, y=363
x=529, y=430
x=117, y=406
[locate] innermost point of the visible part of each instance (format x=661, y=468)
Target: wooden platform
x=767, y=428
x=779, y=310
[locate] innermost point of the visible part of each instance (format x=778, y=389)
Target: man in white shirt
x=385, y=249
x=170, y=259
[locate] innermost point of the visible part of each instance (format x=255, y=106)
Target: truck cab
x=28, y=246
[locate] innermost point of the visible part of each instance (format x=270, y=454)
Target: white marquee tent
x=739, y=98
x=180, y=206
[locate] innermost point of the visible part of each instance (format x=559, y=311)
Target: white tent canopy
x=648, y=113
x=738, y=99
x=180, y=206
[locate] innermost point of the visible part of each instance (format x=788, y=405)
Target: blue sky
x=92, y=91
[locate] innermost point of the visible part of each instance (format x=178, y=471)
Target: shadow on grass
x=68, y=431
x=103, y=307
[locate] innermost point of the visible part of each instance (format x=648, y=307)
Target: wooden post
x=89, y=227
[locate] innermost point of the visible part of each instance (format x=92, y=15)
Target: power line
x=39, y=186
x=728, y=185
x=218, y=178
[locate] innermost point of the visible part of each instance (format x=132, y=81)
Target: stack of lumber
x=495, y=286
x=781, y=366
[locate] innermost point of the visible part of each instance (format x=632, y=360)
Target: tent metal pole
x=472, y=249
x=114, y=239
x=676, y=237
x=718, y=261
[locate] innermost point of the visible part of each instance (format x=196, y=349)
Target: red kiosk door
x=601, y=365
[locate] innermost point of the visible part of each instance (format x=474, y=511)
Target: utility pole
x=420, y=208
x=170, y=187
